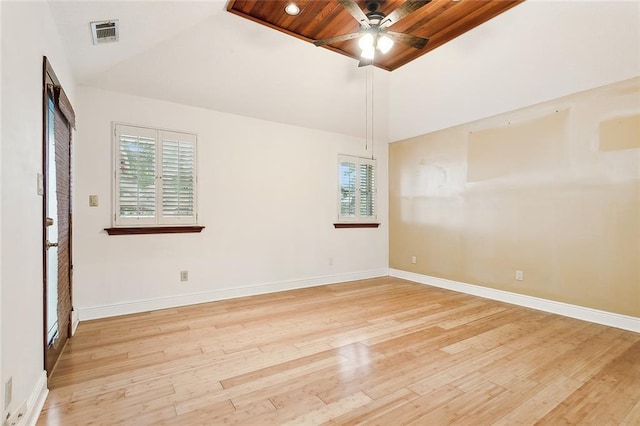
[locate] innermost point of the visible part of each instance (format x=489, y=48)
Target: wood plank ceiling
x=439, y=21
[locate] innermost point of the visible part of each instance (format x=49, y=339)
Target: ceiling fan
x=374, y=34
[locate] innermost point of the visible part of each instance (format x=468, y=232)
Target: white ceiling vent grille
x=105, y=31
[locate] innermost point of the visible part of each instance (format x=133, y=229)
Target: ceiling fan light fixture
x=292, y=9
x=384, y=44
x=368, y=53
x=366, y=41
x=373, y=33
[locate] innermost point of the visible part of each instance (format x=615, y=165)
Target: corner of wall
x=36, y=400
x=21, y=346
x=1, y=180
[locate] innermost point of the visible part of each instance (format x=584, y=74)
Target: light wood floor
x=381, y=351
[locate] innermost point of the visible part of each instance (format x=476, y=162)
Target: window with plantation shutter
x=357, y=189
x=155, y=177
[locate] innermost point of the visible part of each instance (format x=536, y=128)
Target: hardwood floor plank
x=330, y=411
x=459, y=408
x=202, y=416
x=633, y=416
x=248, y=393
x=501, y=404
x=530, y=411
x=381, y=351
x=607, y=396
x=287, y=413
x=368, y=413
x=473, y=362
x=417, y=407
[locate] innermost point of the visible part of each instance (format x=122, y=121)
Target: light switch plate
x=93, y=201
x=8, y=392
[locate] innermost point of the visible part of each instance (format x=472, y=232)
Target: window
x=155, y=177
x=357, y=189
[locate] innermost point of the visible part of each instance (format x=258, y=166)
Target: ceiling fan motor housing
x=373, y=5
x=375, y=17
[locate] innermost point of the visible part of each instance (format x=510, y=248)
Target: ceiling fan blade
x=407, y=7
x=408, y=39
x=365, y=62
x=355, y=11
x=336, y=39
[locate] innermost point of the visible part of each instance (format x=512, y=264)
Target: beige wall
x=552, y=190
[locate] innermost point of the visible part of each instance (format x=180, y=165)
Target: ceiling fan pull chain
x=372, y=111
x=366, y=110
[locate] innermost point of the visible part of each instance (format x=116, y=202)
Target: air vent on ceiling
x=104, y=31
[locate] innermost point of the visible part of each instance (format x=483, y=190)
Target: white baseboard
x=36, y=400
x=75, y=320
x=579, y=312
x=124, y=308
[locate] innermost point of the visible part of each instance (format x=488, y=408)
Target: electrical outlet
x=184, y=275
x=519, y=275
x=414, y=260
x=331, y=261
x=8, y=392
x=93, y=201
x=16, y=417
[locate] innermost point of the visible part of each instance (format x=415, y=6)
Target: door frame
x=49, y=78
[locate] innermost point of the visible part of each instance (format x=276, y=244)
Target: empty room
x=313, y=212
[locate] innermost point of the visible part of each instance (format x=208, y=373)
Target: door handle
x=48, y=221
x=48, y=245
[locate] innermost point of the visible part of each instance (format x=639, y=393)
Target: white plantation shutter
x=178, y=177
x=367, y=190
x=136, y=190
x=155, y=177
x=347, y=188
x=357, y=189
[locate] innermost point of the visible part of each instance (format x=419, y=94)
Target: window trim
x=356, y=221
x=159, y=224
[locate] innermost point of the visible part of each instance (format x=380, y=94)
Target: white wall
x=534, y=52
x=28, y=33
x=267, y=196
x=1, y=376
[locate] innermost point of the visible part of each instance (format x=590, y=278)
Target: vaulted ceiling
x=196, y=53
x=437, y=20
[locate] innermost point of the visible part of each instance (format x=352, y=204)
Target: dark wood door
x=57, y=220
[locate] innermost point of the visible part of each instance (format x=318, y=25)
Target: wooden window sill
x=153, y=230
x=355, y=225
